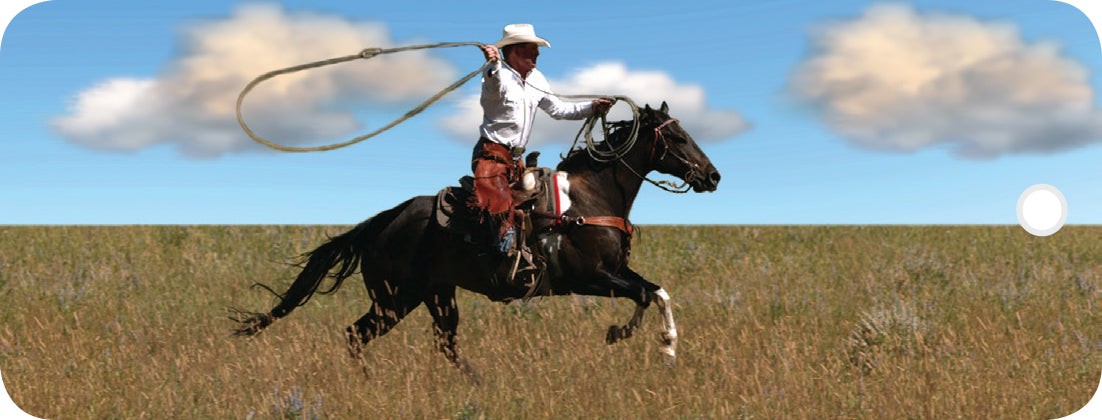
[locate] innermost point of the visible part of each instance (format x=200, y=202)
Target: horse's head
x=674, y=151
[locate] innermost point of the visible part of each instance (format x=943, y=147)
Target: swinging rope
x=611, y=154
x=365, y=54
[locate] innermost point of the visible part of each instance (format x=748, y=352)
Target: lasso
x=365, y=54
x=586, y=131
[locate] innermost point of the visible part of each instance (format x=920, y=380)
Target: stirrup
x=523, y=265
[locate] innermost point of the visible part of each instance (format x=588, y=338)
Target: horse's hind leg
x=445, y=317
x=386, y=311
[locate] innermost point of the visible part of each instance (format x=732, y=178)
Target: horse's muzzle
x=706, y=182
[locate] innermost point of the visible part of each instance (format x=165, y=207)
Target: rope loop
x=362, y=55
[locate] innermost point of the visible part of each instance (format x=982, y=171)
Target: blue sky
x=841, y=112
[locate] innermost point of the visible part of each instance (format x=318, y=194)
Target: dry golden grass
x=796, y=322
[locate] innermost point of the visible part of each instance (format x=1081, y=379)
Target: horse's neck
x=607, y=189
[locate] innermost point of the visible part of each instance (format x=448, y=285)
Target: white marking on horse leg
x=669, y=329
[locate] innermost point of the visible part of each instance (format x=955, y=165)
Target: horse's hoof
x=251, y=322
x=670, y=361
x=617, y=333
x=612, y=335
x=669, y=357
x=469, y=371
x=355, y=344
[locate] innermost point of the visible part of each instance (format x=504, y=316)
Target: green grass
x=776, y=321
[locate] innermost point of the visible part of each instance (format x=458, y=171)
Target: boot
x=507, y=242
x=518, y=265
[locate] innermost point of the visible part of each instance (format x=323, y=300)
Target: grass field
x=774, y=321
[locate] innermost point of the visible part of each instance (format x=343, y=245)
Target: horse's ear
x=664, y=108
x=646, y=107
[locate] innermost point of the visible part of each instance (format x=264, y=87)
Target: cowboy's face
x=522, y=57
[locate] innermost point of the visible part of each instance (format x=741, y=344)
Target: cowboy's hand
x=490, y=52
x=601, y=106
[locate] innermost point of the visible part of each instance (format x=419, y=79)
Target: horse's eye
x=675, y=135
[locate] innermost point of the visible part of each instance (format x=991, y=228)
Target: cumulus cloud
x=687, y=103
x=191, y=104
x=898, y=80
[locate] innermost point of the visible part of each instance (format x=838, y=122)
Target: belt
x=517, y=152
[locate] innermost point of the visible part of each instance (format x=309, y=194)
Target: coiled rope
x=613, y=152
x=617, y=152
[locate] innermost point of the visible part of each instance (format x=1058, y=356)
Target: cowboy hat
x=519, y=33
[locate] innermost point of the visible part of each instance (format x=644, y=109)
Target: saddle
x=541, y=191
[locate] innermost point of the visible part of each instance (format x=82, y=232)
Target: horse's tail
x=342, y=252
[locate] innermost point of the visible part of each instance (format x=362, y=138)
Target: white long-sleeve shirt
x=509, y=104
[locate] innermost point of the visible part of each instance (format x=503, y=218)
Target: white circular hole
x=1042, y=210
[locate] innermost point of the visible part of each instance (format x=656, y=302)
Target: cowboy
x=512, y=89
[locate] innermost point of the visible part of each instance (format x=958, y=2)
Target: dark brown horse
x=408, y=260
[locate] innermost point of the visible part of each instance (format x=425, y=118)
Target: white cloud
x=687, y=103
x=102, y=110
x=898, y=80
x=191, y=105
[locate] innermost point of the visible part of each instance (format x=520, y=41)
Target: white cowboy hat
x=519, y=33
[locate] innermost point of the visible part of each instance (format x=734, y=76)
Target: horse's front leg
x=620, y=332
x=669, y=329
x=659, y=296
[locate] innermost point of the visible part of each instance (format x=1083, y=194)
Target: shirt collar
x=514, y=71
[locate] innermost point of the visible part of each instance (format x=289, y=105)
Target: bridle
x=665, y=185
x=617, y=153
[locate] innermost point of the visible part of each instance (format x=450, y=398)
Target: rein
x=664, y=184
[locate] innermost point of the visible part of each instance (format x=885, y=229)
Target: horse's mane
x=579, y=157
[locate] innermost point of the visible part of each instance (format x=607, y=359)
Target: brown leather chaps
x=495, y=169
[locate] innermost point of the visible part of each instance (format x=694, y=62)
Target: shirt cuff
x=494, y=68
